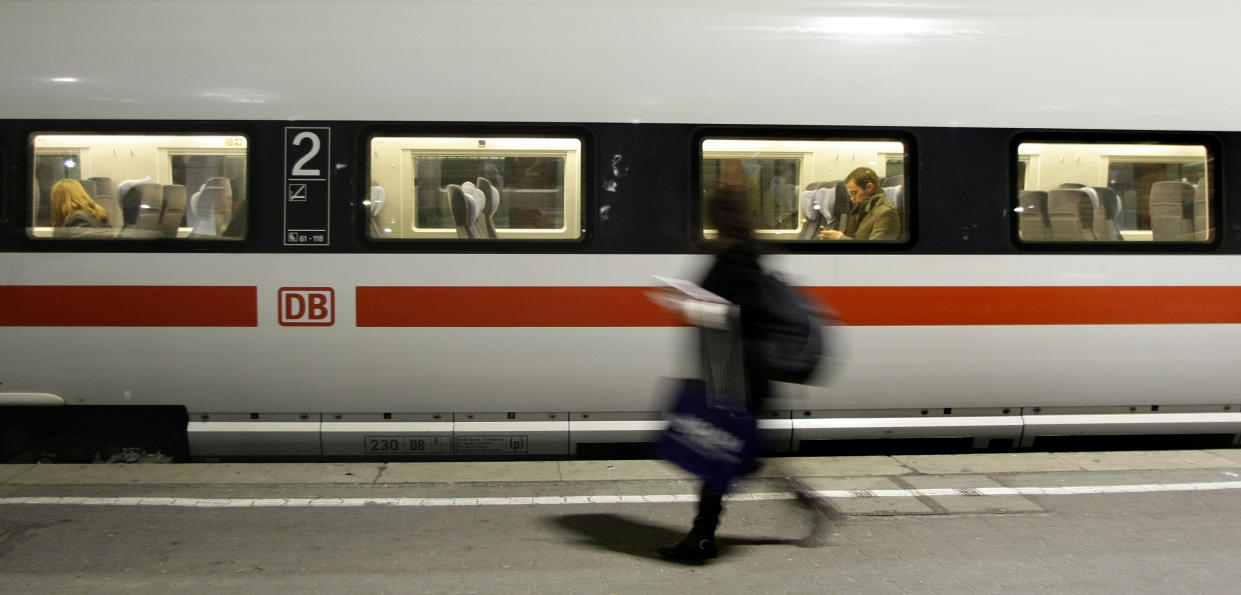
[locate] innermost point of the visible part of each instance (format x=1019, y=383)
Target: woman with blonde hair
x=72, y=207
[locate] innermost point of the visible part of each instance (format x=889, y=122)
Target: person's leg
x=700, y=543
x=710, y=505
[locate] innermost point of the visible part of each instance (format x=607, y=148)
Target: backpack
x=791, y=342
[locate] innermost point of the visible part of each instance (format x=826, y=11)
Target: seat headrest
x=476, y=197
x=378, y=199
x=1063, y=200
x=150, y=195
x=219, y=182
x=1109, y=199
x=1094, y=196
x=817, y=185
x=103, y=185
x=465, y=205
x=809, y=207
x=815, y=204
x=123, y=187
x=894, y=194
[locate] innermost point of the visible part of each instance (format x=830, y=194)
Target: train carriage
x=427, y=229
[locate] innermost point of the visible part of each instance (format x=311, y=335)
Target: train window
x=801, y=189
x=475, y=188
x=189, y=187
x=1096, y=192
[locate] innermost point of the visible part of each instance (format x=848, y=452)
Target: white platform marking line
x=611, y=499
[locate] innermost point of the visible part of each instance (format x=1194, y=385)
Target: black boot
x=700, y=543
x=695, y=546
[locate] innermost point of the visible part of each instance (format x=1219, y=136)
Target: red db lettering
x=318, y=306
x=307, y=306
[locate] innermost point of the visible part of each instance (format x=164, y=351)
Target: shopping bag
x=716, y=443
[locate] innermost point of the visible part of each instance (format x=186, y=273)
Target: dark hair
x=863, y=176
x=727, y=213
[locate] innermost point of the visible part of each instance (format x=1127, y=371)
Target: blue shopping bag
x=716, y=443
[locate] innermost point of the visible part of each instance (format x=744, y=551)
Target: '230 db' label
x=407, y=444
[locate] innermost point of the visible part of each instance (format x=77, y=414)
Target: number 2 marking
x=299, y=167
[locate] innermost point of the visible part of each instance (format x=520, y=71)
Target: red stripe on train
x=509, y=306
x=128, y=305
x=856, y=306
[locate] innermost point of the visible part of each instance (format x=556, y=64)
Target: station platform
x=1149, y=521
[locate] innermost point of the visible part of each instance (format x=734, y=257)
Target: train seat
x=783, y=200
x=105, y=195
x=174, y=210
x=34, y=202
x=816, y=209
x=92, y=190
x=209, y=211
x=1107, y=214
x=1103, y=231
x=491, y=202
x=129, y=205
x=479, y=199
x=211, y=208
x=1094, y=196
x=378, y=197
x=147, y=203
x=1033, y=221
x=464, y=211
x=1070, y=216
x=1172, y=211
x=837, y=206
x=1070, y=186
x=1201, y=232
x=896, y=196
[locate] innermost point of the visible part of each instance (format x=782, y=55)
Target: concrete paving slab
x=8, y=472
x=638, y=470
x=438, y=472
x=831, y=466
x=1017, y=462
x=273, y=473
x=867, y=505
x=1139, y=460
x=1232, y=454
x=1113, y=478
x=972, y=504
x=108, y=474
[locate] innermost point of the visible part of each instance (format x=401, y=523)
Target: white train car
x=426, y=229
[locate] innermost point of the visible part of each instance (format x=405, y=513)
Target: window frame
x=108, y=128
x=810, y=134
x=575, y=218
x=1213, y=167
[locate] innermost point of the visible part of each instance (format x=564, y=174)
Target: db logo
x=307, y=306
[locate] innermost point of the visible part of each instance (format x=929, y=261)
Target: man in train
x=872, y=216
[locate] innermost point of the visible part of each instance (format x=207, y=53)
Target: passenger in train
x=735, y=277
x=872, y=216
x=75, y=213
